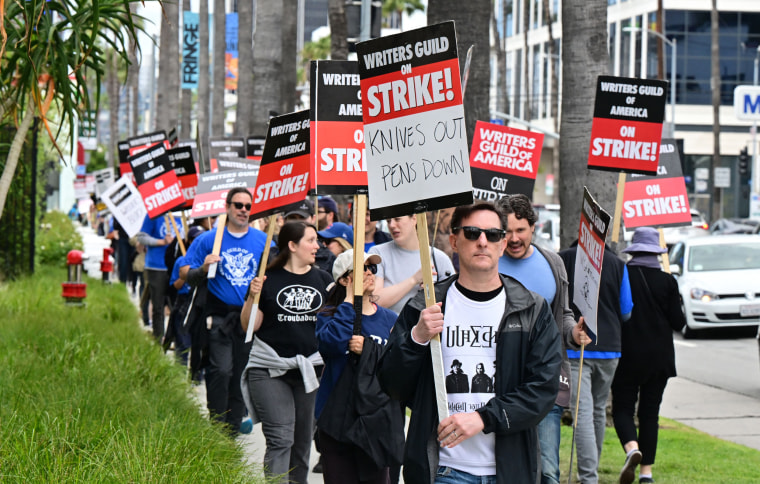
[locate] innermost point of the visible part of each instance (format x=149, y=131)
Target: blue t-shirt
x=239, y=264
x=156, y=228
x=533, y=272
x=181, y=261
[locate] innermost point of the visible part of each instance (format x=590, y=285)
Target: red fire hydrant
x=106, y=265
x=74, y=291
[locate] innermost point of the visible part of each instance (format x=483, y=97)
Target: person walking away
x=238, y=262
x=648, y=357
x=599, y=361
x=281, y=378
x=358, y=449
x=514, y=327
x=543, y=272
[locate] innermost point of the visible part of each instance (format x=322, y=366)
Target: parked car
x=724, y=226
x=719, y=281
x=672, y=235
x=547, y=227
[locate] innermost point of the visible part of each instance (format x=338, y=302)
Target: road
x=717, y=389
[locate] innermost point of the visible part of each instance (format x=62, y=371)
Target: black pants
x=339, y=463
x=626, y=389
x=228, y=355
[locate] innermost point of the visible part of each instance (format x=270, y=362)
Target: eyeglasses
x=240, y=205
x=473, y=233
x=321, y=211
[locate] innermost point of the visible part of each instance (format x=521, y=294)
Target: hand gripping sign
x=415, y=139
x=627, y=125
x=504, y=161
x=156, y=180
x=337, y=133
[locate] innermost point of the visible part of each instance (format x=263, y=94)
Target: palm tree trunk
x=584, y=58
x=338, y=29
x=14, y=153
x=245, y=68
x=715, y=201
x=217, y=94
x=114, y=101
x=502, y=104
x=289, y=57
x=167, y=99
x=267, y=60
x=133, y=83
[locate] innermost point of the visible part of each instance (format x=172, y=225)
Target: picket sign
x=174, y=226
x=618, y=208
x=262, y=273
x=221, y=221
x=360, y=211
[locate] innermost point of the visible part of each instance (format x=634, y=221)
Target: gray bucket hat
x=645, y=239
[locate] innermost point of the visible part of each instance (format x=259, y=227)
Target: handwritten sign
x=414, y=130
x=504, y=161
x=588, y=260
x=658, y=201
x=337, y=133
x=125, y=203
x=284, y=172
x=627, y=125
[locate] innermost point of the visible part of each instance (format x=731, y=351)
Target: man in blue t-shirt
x=155, y=235
x=542, y=272
x=237, y=263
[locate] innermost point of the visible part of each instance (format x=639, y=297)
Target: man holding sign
x=238, y=259
x=482, y=318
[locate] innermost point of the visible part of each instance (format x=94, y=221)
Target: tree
x=472, y=29
x=398, y=7
x=245, y=68
x=338, y=30
x=45, y=49
x=500, y=45
x=267, y=64
x=584, y=58
x=167, y=98
x=114, y=104
x=217, y=90
x=289, y=64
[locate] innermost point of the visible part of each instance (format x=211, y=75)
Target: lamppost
x=672, y=44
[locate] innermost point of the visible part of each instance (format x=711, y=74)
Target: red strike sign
x=161, y=194
x=655, y=202
x=288, y=181
x=625, y=145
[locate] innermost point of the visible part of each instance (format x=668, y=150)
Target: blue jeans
x=449, y=475
x=548, y=437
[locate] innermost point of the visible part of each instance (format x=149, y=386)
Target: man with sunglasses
x=481, y=316
x=543, y=272
x=237, y=263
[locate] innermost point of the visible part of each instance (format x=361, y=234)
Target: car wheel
x=686, y=331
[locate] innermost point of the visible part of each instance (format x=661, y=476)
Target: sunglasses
x=473, y=233
x=367, y=267
x=241, y=206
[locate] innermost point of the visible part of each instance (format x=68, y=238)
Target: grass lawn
x=86, y=396
x=684, y=455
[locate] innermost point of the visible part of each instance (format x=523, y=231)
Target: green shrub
x=55, y=238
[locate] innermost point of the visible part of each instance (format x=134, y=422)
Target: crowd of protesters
x=315, y=370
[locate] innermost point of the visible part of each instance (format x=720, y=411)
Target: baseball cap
x=345, y=262
x=343, y=233
x=328, y=203
x=304, y=208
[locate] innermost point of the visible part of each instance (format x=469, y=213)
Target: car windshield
x=722, y=257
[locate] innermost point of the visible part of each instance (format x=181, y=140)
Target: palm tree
x=167, y=98
x=584, y=58
x=46, y=47
x=245, y=68
x=217, y=94
x=267, y=64
x=398, y=7
x=114, y=102
x=338, y=29
x=500, y=45
x=472, y=29
x=289, y=64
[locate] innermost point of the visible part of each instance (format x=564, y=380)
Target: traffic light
x=743, y=162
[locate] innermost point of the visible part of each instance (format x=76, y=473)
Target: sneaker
x=628, y=472
x=643, y=480
x=246, y=427
x=318, y=466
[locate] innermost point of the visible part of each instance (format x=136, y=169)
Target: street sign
x=747, y=103
x=722, y=177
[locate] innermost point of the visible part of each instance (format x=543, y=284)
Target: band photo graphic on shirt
x=457, y=381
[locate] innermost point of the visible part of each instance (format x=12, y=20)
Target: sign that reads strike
x=658, y=201
x=627, y=126
x=183, y=163
x=588, y=260
x=337, y=133
x=156, y=180
x=125, y=203
x=284, y=171
x=220, y=148
x=211, y=196
x=504, y=161
x=414, y=129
